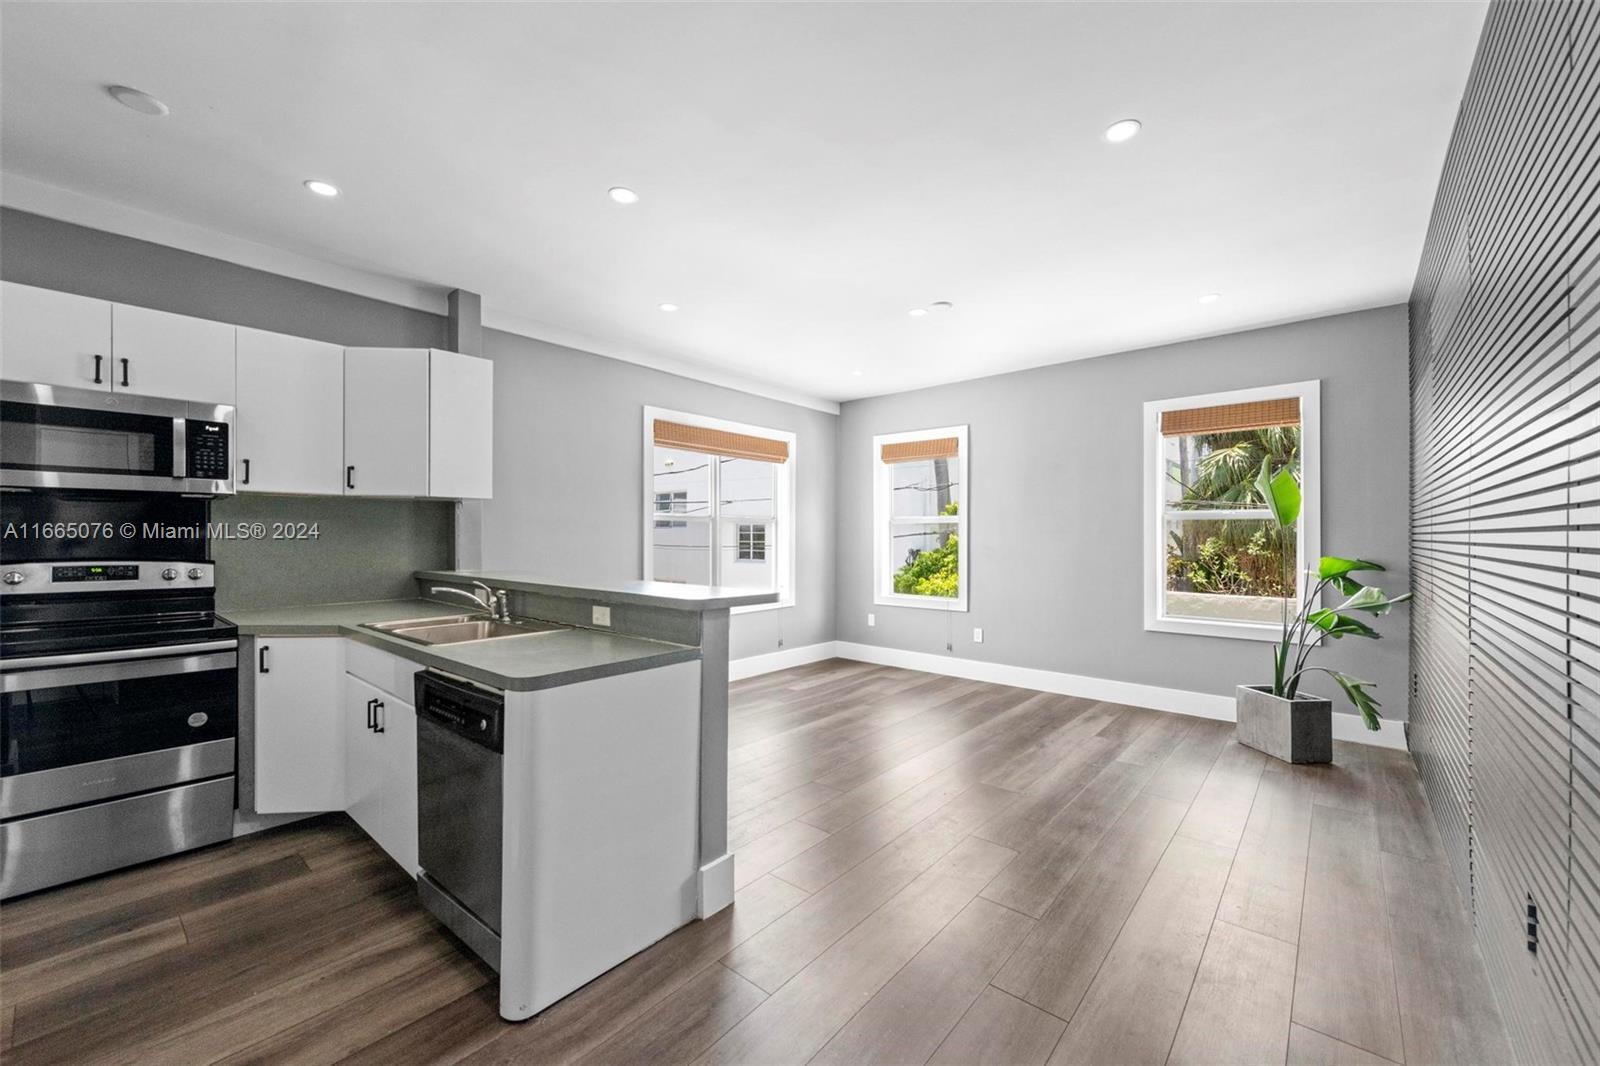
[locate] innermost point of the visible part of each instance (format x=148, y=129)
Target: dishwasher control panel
x=468, y=710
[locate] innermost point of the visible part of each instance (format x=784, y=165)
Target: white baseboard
x=716, y=886
x=755, y=665
x=1178, y=701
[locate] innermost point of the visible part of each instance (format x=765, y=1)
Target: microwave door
x=53, y=437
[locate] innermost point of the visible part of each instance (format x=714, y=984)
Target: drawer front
x=51, y=849
x=380, y=669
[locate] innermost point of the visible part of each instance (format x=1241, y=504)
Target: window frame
x=883, y=568
x=1308, y=529
x=783, y=542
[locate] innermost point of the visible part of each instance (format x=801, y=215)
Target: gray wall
x=368, y=547
x=1058, y=451
x=58, y=255
x=568, y=479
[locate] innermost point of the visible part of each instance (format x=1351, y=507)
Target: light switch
x=872, y=619
x=977, y=635
x=602, y=616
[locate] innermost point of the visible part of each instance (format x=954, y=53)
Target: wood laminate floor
x=929, y=870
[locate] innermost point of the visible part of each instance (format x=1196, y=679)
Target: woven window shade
x=1231, y=417
x=911, y=450
x=720, y=442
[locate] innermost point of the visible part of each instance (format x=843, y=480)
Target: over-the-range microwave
x=52, y=436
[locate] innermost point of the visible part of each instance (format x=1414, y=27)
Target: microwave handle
x=180, y=447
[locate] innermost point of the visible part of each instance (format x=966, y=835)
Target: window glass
x=1223, y=558
x=925, y=487
x=927, y=560
x=682, y=482
x=681, y=551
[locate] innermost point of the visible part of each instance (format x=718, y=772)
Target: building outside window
x=1215, y=562
x=729, y=489
x=920, y=519
x=752, y=543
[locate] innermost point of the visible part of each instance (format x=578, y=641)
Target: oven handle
x=126, y=670
x=89, y=657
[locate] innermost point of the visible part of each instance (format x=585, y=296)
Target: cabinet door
x=386, y=421
x=289, y=429
x=161, y=354
x=299, y=728
x=54, y=338
x=363, y=771
x=460, y=426
x=398, y=745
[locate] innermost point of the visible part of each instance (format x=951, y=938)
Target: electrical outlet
x=602, y=616
x=872, y=619
x=977, y=635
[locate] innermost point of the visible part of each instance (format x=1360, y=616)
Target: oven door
x=85, y=727
x=54, y=437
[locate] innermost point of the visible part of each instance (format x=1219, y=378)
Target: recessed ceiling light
x=917, y=312
x=856, y=373
x=623, y=196
x=137, y=100
x=668, y=307
x=1122, y=130
x=1211, y=297
x=941, y=305
x=322, y=188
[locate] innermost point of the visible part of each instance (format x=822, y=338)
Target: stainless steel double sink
x=459, y=629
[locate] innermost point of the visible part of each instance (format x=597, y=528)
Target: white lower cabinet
x=327, y=740
x=299, y=737
x=380, y=768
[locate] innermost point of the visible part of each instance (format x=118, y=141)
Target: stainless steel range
x=118, y=687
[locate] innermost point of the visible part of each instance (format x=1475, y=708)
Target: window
x=752, y=543
x=671, y=503
x=719, y=504
x=920, y=519
x=1215, y=563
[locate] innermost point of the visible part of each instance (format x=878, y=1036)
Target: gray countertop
x=639, y=593
x=518, y=664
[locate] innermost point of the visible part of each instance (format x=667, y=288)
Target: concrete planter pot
x=1298, y=730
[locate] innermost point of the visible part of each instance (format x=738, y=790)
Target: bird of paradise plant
x=1308, y=628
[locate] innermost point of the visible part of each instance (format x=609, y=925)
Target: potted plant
x=1279, y=718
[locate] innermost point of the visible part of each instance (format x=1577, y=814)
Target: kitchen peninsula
x=609, y=824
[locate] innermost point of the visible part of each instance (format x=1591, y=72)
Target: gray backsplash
x=365, y=549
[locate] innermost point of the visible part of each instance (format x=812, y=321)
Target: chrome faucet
x=491, y=600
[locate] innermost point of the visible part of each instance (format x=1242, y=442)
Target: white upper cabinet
x=157, y=353
x=289, y=428
x=386, y=421
x=460, y=426
x=54, y=338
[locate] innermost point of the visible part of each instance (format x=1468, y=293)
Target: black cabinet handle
x=372, y=714
x=124, y=373
x=246, y=471
x=349, y=477
x=261, y=657
x=97, y=361
x=380, y=717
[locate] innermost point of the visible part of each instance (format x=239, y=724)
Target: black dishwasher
x=460, y=800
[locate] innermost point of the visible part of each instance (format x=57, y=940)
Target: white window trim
x=1309, y=530
x=883, y=567
x=785, y=544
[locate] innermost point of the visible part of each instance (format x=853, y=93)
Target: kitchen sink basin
x=461, y=629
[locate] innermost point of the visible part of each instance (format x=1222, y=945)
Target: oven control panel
x=106, y=572
x=56, y=578
x=206, y=445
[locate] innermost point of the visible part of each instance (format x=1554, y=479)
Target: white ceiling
x=807, y=173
